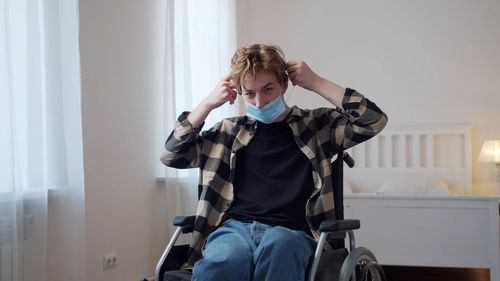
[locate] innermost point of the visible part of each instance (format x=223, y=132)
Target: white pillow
x=414, y=184
x=348, y=187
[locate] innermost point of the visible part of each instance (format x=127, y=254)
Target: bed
x=411, y=188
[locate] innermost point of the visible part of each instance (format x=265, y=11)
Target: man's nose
x=259, y=101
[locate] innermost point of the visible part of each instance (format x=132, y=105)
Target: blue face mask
x=268, y=113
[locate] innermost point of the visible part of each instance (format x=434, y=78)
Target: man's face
x=262, y=88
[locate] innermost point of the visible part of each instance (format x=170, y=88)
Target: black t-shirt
x=273, y=179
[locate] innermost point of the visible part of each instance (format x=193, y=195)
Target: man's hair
x=256, y=58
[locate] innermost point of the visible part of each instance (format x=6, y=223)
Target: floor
x=403, y=273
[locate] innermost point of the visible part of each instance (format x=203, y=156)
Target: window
x=201, y=39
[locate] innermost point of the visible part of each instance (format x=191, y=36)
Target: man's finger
x=231, y=93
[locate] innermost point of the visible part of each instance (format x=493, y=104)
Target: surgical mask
x=268, y=113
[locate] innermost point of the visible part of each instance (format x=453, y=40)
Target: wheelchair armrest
x=185, y=222
x=339, y=225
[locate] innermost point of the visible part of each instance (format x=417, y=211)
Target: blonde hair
x=256, y=58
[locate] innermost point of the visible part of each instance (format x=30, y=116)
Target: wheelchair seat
x=334, y=262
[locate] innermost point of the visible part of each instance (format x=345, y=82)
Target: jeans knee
x=280, y=240
x=224, y=264
x=283, y=254
x=233, y=257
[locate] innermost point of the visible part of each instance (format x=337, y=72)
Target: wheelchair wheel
x=361, y=265
x=371, y=271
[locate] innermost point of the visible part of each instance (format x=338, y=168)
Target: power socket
x=110, y=260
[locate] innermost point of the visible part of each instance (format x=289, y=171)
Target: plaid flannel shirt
x=319, y=133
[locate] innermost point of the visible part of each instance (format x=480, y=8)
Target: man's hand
x=221, y=94
x=300, y=74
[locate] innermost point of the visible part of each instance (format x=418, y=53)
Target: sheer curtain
x=201, y=39
x=41, y=158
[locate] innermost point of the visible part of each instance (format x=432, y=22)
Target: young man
x=265, y=178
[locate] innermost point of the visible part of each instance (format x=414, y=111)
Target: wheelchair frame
x=360, y=263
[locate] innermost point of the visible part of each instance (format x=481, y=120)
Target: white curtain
x=201, y=39
x=41, y=161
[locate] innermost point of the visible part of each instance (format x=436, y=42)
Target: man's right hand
x=221, y=94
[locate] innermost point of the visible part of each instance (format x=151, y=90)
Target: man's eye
x=248, y=93
x=269, y=89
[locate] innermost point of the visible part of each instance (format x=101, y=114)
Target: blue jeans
x=239, y=251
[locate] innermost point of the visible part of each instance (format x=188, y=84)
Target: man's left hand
x=300, y=74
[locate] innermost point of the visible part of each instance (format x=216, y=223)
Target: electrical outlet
x=110, y=260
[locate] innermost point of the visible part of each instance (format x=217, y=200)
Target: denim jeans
x=239, y=251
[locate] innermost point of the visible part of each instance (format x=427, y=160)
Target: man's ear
x=284, y=86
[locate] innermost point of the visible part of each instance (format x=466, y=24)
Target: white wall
x=121, y=45
x=423, y=62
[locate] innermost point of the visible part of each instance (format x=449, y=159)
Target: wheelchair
x=333, y=262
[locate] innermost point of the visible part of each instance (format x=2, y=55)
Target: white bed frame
x=423, y=230
x=439, y=151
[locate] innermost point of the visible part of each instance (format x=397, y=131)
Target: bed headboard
x=440, y=151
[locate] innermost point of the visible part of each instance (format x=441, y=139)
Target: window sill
x=7, y=196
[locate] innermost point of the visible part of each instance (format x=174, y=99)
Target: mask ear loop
x=291, y=92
